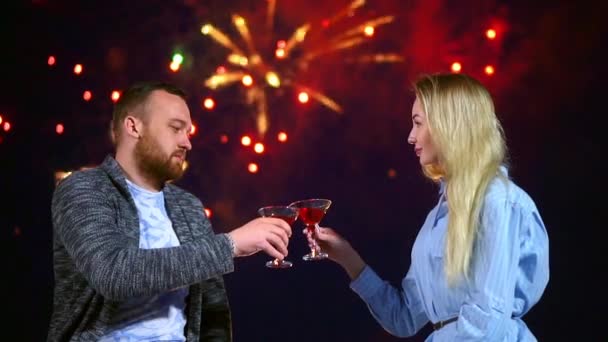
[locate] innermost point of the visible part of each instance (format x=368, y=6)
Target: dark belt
x=442, y=324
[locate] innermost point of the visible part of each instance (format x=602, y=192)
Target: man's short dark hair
x=136, y=95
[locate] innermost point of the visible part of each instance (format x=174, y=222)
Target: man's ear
x=132, y=126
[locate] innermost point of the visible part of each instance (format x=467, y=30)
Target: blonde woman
x=480, y=260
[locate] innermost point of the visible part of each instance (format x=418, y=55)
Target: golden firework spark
x=258, y=74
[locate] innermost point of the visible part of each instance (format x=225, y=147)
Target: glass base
x=318, y=256
x=279, y=264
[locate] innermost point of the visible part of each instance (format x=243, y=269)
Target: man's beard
x=153, y=163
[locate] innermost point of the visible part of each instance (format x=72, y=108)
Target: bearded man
x=135, y=257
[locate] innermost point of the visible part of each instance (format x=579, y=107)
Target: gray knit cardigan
x=98, y=262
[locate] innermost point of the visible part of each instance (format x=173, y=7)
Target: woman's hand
x=338, y=250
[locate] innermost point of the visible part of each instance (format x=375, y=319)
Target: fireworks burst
x=291, y=58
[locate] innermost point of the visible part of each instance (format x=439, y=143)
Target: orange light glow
x=456, y=67
x=78, y=69
x=247, y=80
x=253, y=168
x=7, y=126
x=208, y=103
x=246, y=140
x=51, y=60
x=282, y=136
x=174, y=66
x=489, y=70
x=258, y=148
x=115, y=95
x=281, y=44
x=303, y=97
x=220, y=69
x=224, y=139
x=368, y=31
x=280, y=53
x=491, y=34
x=192, y=129
x=87, y=95
x=0, y=119
x=59, y=129
x=208, y=212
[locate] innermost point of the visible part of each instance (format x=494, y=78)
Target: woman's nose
x=410, y=139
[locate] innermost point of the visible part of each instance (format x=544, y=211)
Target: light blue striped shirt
x=510, y=271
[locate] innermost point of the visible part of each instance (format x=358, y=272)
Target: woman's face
x=420, y=136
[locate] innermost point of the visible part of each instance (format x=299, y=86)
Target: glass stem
x=314, y=248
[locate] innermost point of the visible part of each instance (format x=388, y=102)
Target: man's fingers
x=282, y=234
x=272, y=251
x=278, y=223
x=277, y=242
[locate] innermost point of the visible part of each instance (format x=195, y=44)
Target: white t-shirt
x=153, y=318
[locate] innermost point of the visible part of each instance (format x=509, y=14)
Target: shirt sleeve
x=399, y=310
x=511, y=240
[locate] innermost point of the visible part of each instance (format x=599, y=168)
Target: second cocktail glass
x=311, y=212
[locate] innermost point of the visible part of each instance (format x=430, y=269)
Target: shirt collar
x=442, y=183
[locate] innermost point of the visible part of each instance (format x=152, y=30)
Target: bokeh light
x=253, y=168
x=59, y=128
x=208, y=103
x=489, y=70
x=115, y=95
x=247, y=80
x=303, y=97
x=246, y=140
x=491, y=34
x=282, y=136
x=258, y=148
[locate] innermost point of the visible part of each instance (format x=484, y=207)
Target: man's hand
x=267, y=234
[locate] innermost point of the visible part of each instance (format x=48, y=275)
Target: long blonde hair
x=470, y=146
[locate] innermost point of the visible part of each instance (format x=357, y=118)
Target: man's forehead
x=170, y=105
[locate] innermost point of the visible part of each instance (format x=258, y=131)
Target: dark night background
x=549, y=90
